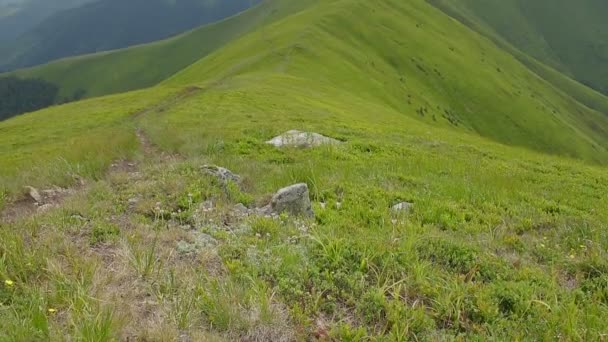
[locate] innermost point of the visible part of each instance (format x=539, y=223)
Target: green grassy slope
x=570, y=36
x=420, y=62
x=486, y=254
x=53, y=145
x=502, y=243
x=146, y=65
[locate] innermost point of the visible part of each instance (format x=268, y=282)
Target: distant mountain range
x=41, y=32
x=19, y=16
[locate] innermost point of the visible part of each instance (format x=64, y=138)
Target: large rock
x=222, y=174
x=301, y=139
x=294, y=200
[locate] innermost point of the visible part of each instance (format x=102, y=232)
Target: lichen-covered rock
x=403, y=207
x=295, y=138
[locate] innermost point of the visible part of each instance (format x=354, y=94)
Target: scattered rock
x=184, y=247
x=293, y=199
x=79, y=218
x=221, y=173
x=301, y=139
x=44, y=208
x=241, y=209
x=201, y=241
x=403, y=207
x=79, y=180
x=34, y=194
x=206, y=206
x=53, y=194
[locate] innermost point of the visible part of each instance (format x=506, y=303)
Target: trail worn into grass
x=26, y=206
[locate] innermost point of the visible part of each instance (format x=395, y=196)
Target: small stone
x=44, y=208
x=78, y=217
x=241, y=209
x=206, y=206
x=184, y=247
x=49, y=193
x=221, y=173
x=202, y=240
x=79, y=180
x=34, y=194
x=403, y=207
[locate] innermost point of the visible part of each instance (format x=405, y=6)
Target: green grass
x=497, y=238
x=569, y=36
x=410, y=57
x=82, y=139
x=146, y=65
x=503, y=242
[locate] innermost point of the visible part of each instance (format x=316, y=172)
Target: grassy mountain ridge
x=146, y=65
x=505, y=238
x=415, y=60
x=109, y=24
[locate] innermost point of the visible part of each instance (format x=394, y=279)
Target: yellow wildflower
x=51, y=310
x=9, y=283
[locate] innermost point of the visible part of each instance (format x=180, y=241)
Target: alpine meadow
x=316, y=170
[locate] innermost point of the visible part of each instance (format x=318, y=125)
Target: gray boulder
x=293, y=199
x=295, y=138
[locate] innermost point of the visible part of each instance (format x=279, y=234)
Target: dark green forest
x=25, y=95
